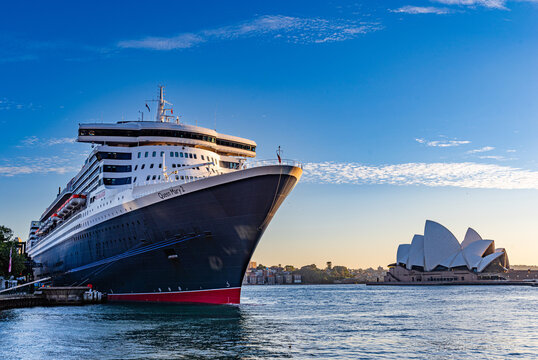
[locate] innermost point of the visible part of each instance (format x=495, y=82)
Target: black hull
x=201, y=240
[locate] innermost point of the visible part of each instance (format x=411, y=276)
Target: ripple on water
x=329, y=322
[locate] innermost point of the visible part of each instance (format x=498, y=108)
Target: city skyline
x=399, y=111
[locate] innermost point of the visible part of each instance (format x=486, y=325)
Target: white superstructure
x=135, y=163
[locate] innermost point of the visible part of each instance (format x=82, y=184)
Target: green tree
x=340, y=272
x=312, y=275
x=18, y=261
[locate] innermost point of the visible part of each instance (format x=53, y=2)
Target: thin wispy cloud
x=409, y=9
x=58, y=141
x=8, y=104
x=36, y=141
x=36, y=165
x=287, y=28
x=495, y=157
x=463, y=175
x=442, y=143
x=492, y=4
x=481, y=150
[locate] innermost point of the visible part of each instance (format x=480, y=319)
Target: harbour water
x=325, y=321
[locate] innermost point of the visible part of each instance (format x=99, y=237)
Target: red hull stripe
x=219, y=296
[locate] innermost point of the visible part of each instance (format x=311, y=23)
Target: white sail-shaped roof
x=458, y=261
x=470, y=236
x=475, y=251
x=449, y=259
x=416, y=252
x=403, y=253
x=439, y=245
x=487, y=260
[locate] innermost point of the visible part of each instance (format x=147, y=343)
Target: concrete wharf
x=52, y=296
x=445, y=283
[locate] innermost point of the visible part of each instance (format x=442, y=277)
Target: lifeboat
x=46, y=226
x=77, y=200
x=71, y=204
x=68, y=207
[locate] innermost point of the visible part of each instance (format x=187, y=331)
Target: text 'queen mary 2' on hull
x=174, y=216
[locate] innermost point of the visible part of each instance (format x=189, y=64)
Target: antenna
x=160, y=111
x=141, y=115
x=161, y=115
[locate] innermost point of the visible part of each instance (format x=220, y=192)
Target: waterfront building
x=438, y=256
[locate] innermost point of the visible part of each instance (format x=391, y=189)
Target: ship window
x=143, y=166
x=139, y=154
x=117, y=181
x=136, y=167
x=146, y=154
x=176, y=154
x=182, y=177
x=113, y=155
x=190, y=156
x=153, y=177
x=159, y=177
x=203, y=157
x=116, y=168
x=134, y=179
x=173, y=165
x=171, y=154
x=160, y=166
x=177, y=177
x=181, y=154
x=151, y=166
x=195, y=156
x=154, y=153
x=162, y=153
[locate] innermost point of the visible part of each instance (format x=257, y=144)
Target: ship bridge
x=140, y=133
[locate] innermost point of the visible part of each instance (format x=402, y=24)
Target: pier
x=48, y=296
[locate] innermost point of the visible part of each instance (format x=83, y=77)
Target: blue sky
x=400, y=110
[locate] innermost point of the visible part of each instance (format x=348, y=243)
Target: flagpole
x=9, y=266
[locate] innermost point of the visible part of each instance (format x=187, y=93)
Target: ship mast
x=161, y=115
x=160, y=111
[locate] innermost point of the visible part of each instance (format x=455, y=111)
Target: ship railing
x=169, y=180
x=270, y=162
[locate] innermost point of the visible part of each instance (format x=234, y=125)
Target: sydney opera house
x=438, y=256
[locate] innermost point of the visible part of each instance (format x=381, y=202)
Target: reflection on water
x=341, y=321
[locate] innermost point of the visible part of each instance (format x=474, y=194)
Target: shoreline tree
x=18, y=261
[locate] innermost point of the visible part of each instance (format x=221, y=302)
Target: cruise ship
x=161, y=211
